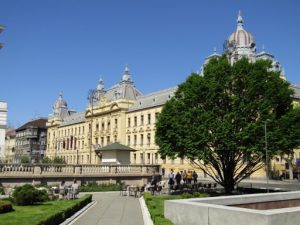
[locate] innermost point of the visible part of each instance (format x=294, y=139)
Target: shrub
x=5, y=206
x=28, y=195
x=2, y=190
x=94, y=187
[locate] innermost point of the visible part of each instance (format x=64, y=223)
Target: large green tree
x=217, y=120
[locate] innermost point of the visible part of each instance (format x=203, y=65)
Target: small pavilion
x=114, y=153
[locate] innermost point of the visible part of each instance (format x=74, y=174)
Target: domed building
x=60, y=107
x=122, y=114
x=241, y=43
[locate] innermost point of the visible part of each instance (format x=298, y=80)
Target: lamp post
x=92, y=97
x=267, y=164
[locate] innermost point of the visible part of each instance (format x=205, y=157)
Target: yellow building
x=122, y=114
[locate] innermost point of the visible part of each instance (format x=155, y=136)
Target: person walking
x=62, y=190
x=171, y=180
x=74, y=189
x=189, y=177
x=195, y=177
x=178, y=180
x=184, y=177
x=163, y=172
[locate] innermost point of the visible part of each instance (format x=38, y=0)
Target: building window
x=134, y=158
x=78, y=130
x=115, y=137
x=128, y=140
x=135, y=121
x=129, y=122
x=83, y=129
x=148, y=139
x=108, y=125
x=148, y=158
x=102, y=126
x=134, y=140
x=82, y=144
x=116, y=123
x=149, y=118
x=102, y=141
x=97, y=126
x=142, y=158
x=108, y=140
x=142, y=139
x=156, y=158
x=142, y=120
x=96, y=140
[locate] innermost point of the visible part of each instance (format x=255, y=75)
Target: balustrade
x=7, y=170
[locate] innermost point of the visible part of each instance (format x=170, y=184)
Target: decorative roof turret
x=240, y=21
x=264, y=55
x=100, y=86
x=126, y=75
x=60, y=107
x=213, y=55
x=240, y=43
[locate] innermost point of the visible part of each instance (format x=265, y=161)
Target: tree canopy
x=217, y=120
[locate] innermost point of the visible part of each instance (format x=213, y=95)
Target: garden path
x=112, y=209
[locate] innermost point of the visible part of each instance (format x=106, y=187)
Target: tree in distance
x=217, y=120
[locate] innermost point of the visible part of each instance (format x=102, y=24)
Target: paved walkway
x=112, y=209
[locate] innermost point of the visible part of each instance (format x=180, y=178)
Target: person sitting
x=74, y=189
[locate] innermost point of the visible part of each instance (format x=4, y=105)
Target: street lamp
x=92, y=97
x=267, y=165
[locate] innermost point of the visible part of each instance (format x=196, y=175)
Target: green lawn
x=155, y=204
x=31, y=215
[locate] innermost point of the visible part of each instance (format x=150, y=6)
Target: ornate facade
x=3, y=123
x=122, y=114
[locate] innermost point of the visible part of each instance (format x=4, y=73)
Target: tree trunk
x=228, y=182
x=290, y=169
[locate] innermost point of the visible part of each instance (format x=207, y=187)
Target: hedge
x=63, y=215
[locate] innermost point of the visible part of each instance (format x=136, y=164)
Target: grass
x=155, y=204
x=31, y=215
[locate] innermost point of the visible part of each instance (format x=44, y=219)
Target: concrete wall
x=123, y=157
x=109, y=157
x=217, y=212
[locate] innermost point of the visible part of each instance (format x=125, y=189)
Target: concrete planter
x=221, y=210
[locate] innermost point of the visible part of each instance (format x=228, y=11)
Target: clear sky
x=65, y=45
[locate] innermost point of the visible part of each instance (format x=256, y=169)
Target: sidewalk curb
x=145, y=212
x=72, y=219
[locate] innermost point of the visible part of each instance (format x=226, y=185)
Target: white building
x=3, y=123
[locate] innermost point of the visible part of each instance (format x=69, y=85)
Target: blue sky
x=65, y=45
